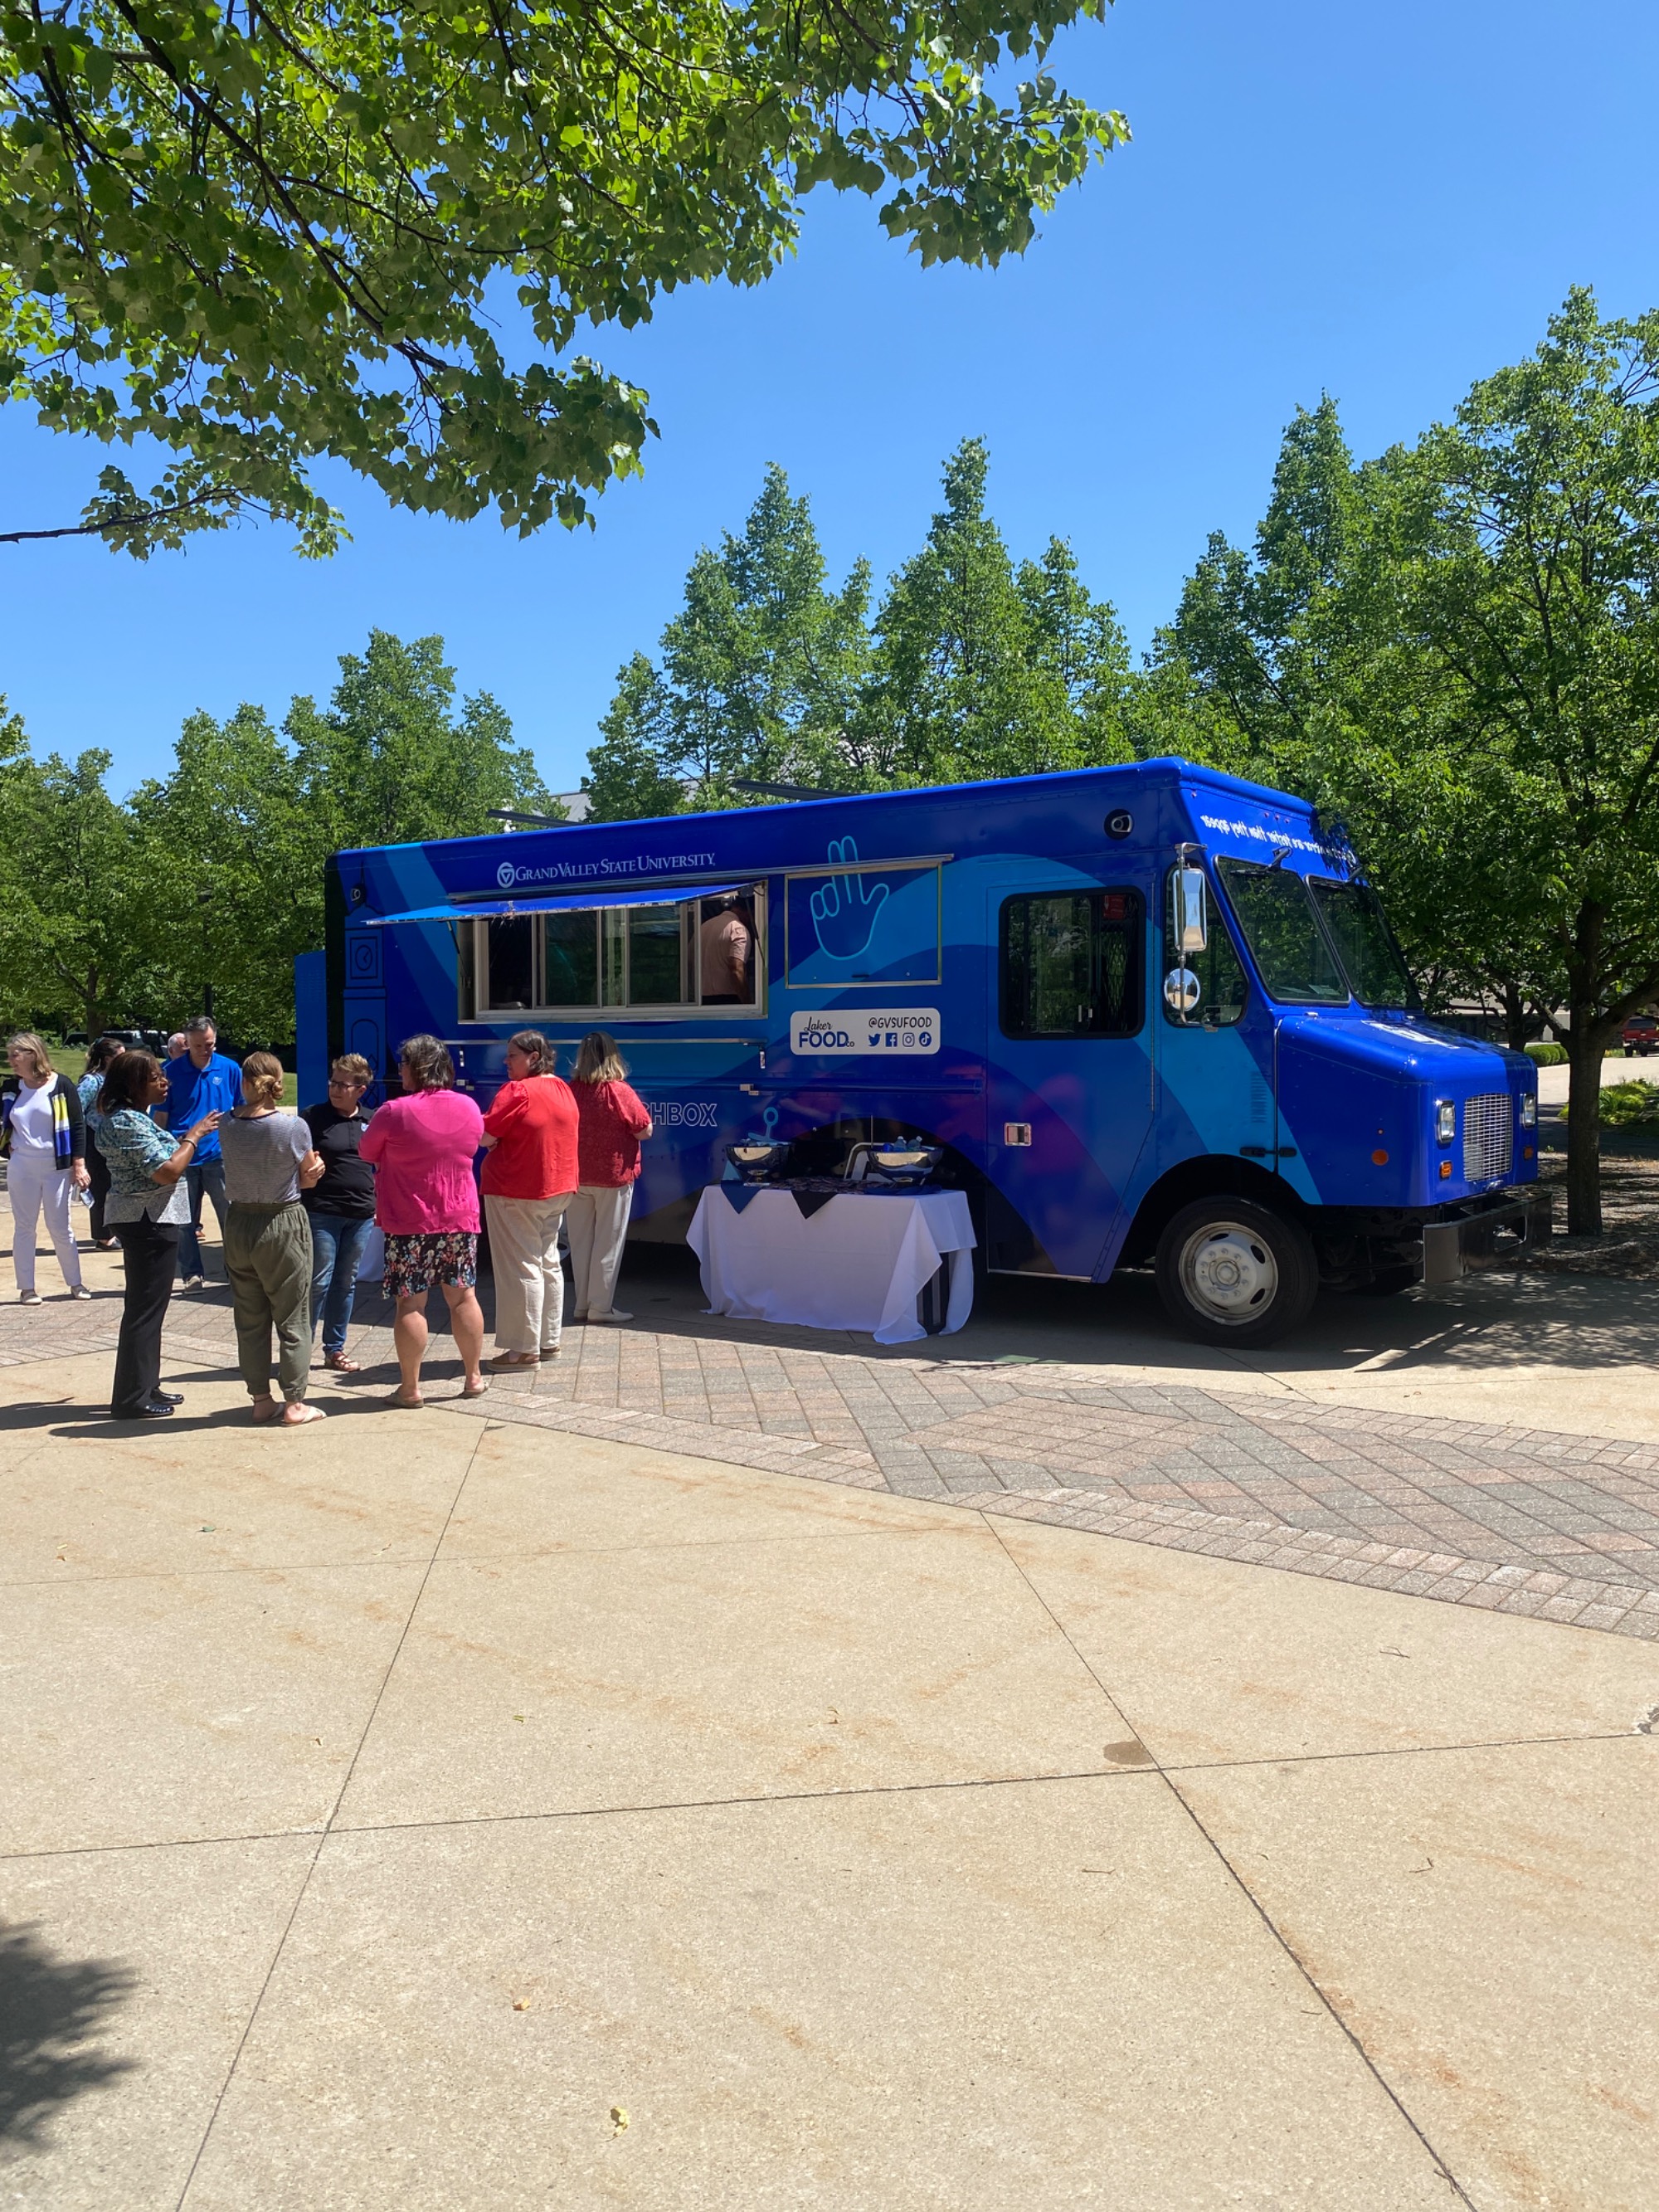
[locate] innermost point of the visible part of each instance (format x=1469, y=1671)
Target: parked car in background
x=1641, y=1034
x=149, y=1040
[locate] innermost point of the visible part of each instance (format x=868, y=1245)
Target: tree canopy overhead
x=259, y=235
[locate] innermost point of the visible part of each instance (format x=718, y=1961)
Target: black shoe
x=150, y=1413
x=167, y=1398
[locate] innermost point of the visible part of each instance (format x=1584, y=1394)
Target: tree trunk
x=1515, y=1016
x=1585, y=1046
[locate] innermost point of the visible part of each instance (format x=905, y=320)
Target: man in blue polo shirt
x=200, y=1081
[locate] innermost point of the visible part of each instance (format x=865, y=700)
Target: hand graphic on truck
x=844, y=912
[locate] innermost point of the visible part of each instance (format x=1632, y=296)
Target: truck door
x=1215, y=1041
x=1068, y=1074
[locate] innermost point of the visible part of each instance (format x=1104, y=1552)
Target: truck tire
x=1233, y=1272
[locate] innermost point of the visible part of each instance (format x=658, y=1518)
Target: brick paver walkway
x=1515, y=1520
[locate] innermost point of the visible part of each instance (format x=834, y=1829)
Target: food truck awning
x=573, y=903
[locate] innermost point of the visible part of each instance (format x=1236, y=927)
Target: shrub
x=1629, y=1106
x=1546, y=1055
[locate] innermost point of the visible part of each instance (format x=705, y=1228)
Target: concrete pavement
x=458, y=1811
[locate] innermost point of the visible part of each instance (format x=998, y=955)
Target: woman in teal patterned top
x=146, y=1203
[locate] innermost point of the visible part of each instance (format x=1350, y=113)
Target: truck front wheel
x=1233, y=1272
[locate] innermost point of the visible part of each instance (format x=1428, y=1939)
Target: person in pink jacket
x=611, y=1120
x=421, y=1146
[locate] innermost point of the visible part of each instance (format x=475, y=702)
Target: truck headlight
x=1445, y=1120
x=1529, y=1109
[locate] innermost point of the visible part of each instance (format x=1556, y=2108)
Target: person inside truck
x=725, y=950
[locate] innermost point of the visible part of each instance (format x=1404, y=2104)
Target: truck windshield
x=1354, y=917
x=1283, y=932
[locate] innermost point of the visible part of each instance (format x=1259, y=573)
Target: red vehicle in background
x=1641, y=1034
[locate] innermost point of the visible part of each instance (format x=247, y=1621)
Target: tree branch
x=146, y=517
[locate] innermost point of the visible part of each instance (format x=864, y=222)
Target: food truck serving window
x=703, y=951
x=1072, y=965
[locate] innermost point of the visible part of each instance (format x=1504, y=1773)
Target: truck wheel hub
x=1228, y=1273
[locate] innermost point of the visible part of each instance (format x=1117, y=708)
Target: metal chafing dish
x=897, y=1165
x=758, y=1159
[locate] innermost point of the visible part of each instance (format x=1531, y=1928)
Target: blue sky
x=1381, y=203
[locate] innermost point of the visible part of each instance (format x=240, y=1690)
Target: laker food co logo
x=886, y=1030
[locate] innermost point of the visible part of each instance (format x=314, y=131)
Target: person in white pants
x=529, y=1134
x=611, y=1121
x=596, y=1222
x=44, y=1163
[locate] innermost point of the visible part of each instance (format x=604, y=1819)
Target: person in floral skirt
x=421, y=1146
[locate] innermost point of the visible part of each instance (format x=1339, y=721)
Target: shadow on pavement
x=1488, y=1320
x=49, y=2007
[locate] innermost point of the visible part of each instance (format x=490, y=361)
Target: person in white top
x=44, y=1148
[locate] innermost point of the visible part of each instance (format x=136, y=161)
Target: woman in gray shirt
x=269, y=1161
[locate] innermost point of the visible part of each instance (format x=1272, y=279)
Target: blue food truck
x=1153, y=1014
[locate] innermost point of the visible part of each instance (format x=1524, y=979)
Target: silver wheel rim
x=1229, y=1274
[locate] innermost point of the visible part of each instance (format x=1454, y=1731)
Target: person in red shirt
x=529, y=1178
x=612, y=1121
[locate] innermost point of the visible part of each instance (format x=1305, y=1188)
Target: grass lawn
x=70, y=1060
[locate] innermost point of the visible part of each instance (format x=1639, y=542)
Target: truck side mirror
x=1189, y=911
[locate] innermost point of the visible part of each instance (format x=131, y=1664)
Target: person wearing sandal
x=341, y=1206
x=420, y=1146
x=147, y=1205
x=612, y=1121
x=42, y=1143
x=269, y=1160
x=529, y=1174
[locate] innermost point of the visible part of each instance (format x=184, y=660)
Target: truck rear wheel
x=1231, y=1273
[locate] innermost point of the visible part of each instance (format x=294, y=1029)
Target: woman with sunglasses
x=341, y=1206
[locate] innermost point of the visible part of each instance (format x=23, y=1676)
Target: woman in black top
x=341, y=1206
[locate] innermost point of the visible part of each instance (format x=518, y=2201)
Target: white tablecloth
x=857, y=1263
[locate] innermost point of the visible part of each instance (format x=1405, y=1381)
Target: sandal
x=507, y=1362
x=271, y=1410
x=404, y=1405
x=477, y=1387
x=342, y=1364
x=297, y=1414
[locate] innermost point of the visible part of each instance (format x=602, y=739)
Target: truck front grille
x=1488, y=1137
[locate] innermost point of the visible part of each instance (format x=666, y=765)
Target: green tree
x=238, y=833
x=1077, y=650
x=985, y=672
x=631, y=775
x=1251, y=646
x=1515, y=594
x=1457, y=647
x=760, y=671
x=390, y=761
x=73, y=934
x=237, y=875
x=259, y=237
